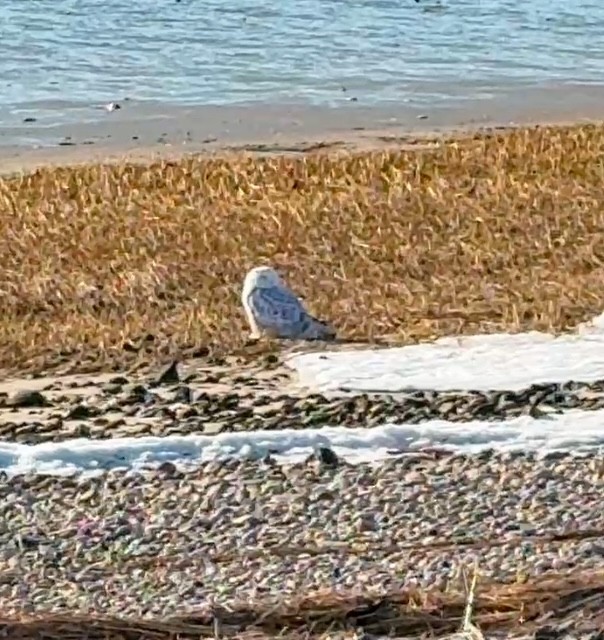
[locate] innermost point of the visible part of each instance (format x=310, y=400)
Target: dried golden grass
x=481, y=234
x=325, y=614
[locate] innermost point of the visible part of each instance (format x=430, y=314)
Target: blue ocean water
x=317, y=51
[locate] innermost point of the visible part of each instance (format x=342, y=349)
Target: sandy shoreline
x=143, y=132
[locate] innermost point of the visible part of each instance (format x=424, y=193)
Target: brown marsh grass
x=481, y=234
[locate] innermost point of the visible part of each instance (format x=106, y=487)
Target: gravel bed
x=162, y=543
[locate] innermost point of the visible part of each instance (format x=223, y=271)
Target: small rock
x=365, y=522
x=268, y=460
x=547, y=633
x=81, y=412
x=27, y=398
x=29, y=541
x=169, y=375
x=183, y=394
x=168, y=468
x=112, y=389
x=326, y=457
x=186, y=412
x=136, y=394
x=81, y=431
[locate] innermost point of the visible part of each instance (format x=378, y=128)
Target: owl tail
x=317, y=330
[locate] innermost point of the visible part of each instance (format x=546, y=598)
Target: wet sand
x=143, y=132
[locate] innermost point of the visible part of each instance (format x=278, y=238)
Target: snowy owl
x=274, y=310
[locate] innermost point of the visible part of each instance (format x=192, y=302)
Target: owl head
x=263, y=278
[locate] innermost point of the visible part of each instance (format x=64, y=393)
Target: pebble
x=169, y=375
x=26, y=399
x=165, y=542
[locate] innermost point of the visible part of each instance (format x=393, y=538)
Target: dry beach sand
x=112, y=272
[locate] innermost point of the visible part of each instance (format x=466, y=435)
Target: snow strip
x=481, y=363
x=578, y=431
